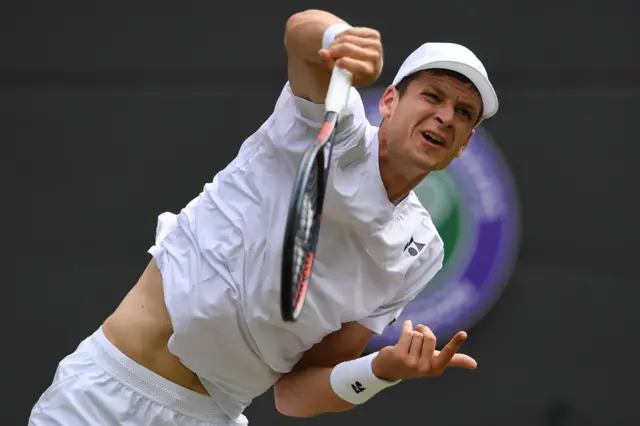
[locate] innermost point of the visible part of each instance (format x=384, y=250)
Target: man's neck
x=394, y=177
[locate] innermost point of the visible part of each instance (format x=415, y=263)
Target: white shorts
x=98, y=385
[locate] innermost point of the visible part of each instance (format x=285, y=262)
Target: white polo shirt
x=220, y=256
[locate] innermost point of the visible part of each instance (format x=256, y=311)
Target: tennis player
x=200, y=334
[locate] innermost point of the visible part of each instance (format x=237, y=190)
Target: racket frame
x=337, y=96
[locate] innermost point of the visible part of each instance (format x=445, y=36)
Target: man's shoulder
x=407, y=239
x=425, y=242
x=424, y=247
x=418, y=212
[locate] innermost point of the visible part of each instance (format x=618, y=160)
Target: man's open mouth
x=432, y=139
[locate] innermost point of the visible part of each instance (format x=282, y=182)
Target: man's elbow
x=290, y=31
x=288, y=405
x=297, y=30
x=292, y=404
x=303, y=16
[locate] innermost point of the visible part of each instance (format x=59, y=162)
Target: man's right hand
x=358, y=50
x=415, y=355
x=309, y=65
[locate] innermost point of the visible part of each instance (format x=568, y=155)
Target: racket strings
x=303, y=222
x=306, y=232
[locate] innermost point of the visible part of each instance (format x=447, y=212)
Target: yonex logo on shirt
x=413, y=247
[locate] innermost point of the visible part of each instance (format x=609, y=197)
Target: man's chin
x=426, y=163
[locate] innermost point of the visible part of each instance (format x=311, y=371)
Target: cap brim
x=487, y=93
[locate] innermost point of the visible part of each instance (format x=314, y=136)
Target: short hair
x=404, y=83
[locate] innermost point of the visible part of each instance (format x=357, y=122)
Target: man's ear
x=388, y=102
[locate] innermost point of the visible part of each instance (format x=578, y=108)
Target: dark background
x=114, y=113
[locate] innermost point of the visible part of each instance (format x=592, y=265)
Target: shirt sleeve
x=418, y=276
x=296, y=121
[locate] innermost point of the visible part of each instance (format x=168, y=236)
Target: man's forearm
x=307, y=393
x=304, y=32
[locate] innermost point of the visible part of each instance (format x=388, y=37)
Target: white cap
x=452, y=57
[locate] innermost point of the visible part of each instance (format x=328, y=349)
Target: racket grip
x=338, y=92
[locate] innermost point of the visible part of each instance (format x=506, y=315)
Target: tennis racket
x=305, y=208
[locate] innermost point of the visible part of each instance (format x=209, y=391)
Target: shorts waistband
x=152, y=385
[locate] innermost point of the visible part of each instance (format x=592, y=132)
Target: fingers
x=404, y=342
x=360, y=32
x=328, y=60
x=357, y=50
x=354, y=51
x=442, y=360
x=346, y=44
x=415, y=348
x=416, y=354
x=428, y=347
x=463, y=361
x=356, y=67
x=356, y=54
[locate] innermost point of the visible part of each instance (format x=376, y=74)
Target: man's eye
x=432, y=96
x=464, y=112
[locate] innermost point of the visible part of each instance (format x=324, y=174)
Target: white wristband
x=331, y=33
x=355, y=382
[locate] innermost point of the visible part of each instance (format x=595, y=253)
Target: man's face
x=431, y=123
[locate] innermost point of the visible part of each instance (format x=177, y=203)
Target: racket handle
x=338, y=92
